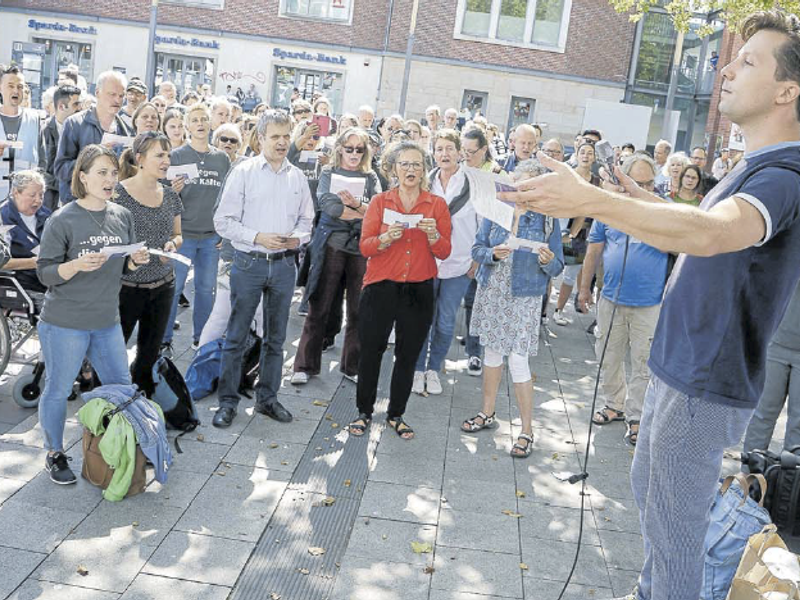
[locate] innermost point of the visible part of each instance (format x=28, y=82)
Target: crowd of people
x=375, y=219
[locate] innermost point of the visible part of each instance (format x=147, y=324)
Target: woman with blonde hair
x=672, y=170
x=335, y=254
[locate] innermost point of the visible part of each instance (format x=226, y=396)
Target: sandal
x=522, y=451
x=472, y=425
x=603, y=417
x=632, y=436
x=359, y=426
x=402, y=428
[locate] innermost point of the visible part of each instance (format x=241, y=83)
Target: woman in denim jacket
x=507, y=310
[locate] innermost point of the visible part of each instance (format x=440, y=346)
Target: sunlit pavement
x=273, y=511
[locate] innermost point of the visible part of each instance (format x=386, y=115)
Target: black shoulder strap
x=461, y=200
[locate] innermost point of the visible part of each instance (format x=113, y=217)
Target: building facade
x=515, y=61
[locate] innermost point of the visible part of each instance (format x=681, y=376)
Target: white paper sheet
x=307, y=156
x=188, y=171
x=172, y=256
x=123, y=249
x=35, y=250
x=483, y=195
x=392, y=217
x=117, y=140
x=354, y=185
x=516, y=243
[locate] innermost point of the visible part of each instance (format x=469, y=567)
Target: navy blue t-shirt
x=719, y=313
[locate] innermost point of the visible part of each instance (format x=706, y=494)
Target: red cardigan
x=411, y=258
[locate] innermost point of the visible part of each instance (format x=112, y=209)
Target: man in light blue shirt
x=638, y=307
x=266, y=211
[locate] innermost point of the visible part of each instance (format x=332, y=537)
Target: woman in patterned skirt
x=514, y=269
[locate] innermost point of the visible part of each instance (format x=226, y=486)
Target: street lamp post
x=409, y=52
x=151, y=46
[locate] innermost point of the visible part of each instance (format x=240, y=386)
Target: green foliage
x=734, y=12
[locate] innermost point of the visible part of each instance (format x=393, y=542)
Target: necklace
x=102, y=223
x=201, y=156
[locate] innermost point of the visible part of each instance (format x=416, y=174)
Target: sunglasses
x=227, y=140
x=351, y=149
x=302, y=111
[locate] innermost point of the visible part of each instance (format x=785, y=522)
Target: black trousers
x=149, y=308
x=409, y=308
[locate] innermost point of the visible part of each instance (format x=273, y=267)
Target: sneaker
x=474, y=366
x=195, y=344
x=166, y=351
x=183, y=302
x=391, y=337
x=353, y=378
x=419, y=383
x=58, y=467
x=176, y=325
x=560, y=319
x=299, y=378
x=327, y=344
x=432, y=383
x=592, y=328
x=302, y=310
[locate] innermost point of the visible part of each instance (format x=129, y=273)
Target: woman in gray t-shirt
x=80, y=316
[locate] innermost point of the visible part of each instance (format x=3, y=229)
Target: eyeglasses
x=553, y=153
x=410, y=166
x=647, y=185
x=302, y=111
x=351, y=149
x=227, y=140
x=472, y=153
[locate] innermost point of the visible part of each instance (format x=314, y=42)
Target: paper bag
x=753, y=579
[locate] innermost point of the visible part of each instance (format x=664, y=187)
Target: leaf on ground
x=303, y=571
x=274, y=445
x=556, y=456
x=347, y=483
x=421, y=547
x=82, y=571
x=320, y=403
x=135, y=524
x=328, y=418
x=316, y=551
x=329, y=501
x=428, y=570
x=201, y=437
x=523, y=566
x=334, y=426
x=220, y=473
x=284, y=462
x=274, y=596
x=384, y=537
x=511, y=513
x=520, y=494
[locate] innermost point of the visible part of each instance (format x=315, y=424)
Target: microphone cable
x=584, y=474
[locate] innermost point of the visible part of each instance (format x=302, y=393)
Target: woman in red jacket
x=403, y=233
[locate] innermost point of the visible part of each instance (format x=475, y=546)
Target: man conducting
x=739, y=248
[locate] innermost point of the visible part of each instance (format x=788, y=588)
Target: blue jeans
x=252, y=277
x=205, y=257
x=473, y=341
x=674, y=478
x=448, y=294
x=63, y=350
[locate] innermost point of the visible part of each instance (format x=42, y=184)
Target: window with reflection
x=534, y=23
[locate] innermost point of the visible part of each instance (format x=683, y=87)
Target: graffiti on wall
x=233, y=76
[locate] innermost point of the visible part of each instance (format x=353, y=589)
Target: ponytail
x=127, y=164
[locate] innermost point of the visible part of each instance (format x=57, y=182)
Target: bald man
x=525, y=144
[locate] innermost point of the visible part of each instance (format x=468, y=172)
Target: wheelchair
x=19, y=315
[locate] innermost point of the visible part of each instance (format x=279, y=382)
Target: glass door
x=59, y=55
x=521, y=111
x=186, y=72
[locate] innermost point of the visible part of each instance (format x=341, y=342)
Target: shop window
x=308, y=83
x=326, y=10
x=475, y=102
x=520, y=112
x=60, y=54
x=539, y=24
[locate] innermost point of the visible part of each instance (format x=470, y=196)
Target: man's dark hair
x=628, y=146
x=69, y=74
x=477, y=135
x=189, y=96
x=593, y=132
x=699, y=148
x=10, y=70
x=787, y=54
x=63, y=94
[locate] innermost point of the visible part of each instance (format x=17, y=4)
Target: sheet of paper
x=483, y=195
x=409, y=221
x=35, y=250
x=187, y=171
x=172, y=256
x=307, y=156
x=354, y=185
x=123, y=249
x=516, y=243
x=117, y=140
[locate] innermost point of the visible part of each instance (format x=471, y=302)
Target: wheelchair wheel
x=26, y=391
x=5, y=343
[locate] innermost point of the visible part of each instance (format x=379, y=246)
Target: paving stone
x=179, y=490
x=389, y=541
x=303, y=406
x=214, y=435
x=488, y=466
x=129, y=523
x=200, y=558
x=199, y=457
x=9, y=487
x=252, y=451
x=616, y=515
x=469, y=495
x=541, y=589
x=237, y=506
x=80, y=497
x=30, y=433
x=10, y=411
x=622, y=582
x=400, y=503
x=20, y=462
x=493, y=532
x=46, y=590
x=110, y=564
x=474, y=571
x=552, y=559
x=369, y=579
x=16, y=565
x=623, y=550
x=299, y=431
x=430, y=437
x=556, y=523
x=35, y=528
x=150, y=587
x=396, y=468
x=451, y=595
x=541, y=486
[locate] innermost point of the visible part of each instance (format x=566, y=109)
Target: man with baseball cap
x=135, y=95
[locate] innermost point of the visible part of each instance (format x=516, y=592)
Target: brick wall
x=598, y=45
x=718, y=124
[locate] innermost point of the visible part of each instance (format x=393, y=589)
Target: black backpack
x=172, y=395
x=782, y=472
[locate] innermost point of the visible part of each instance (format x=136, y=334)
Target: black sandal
x=359, y=426
x=471, y=425
x=402, y=428
x=524, y=451
x=632, y=436
x=601, y=416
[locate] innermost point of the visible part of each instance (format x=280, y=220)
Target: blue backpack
x=202, y=376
